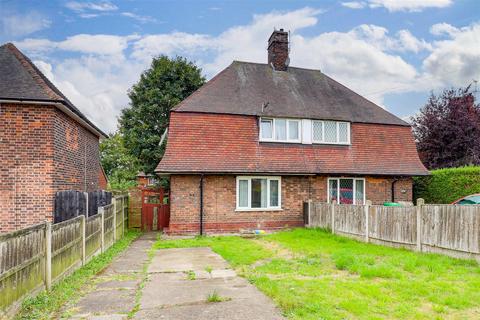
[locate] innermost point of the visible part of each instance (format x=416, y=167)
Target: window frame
x=337, y=125
x=287, y=130
x=249, y=193
x=353, y=189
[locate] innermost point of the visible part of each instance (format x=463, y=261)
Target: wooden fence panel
x=93, y=237
x=452, y=227
x=119, y=217
x=320, y=215
x=350, y=219
x=22, y=264
x=395, y=224
x=108, y=225
x=66, y=246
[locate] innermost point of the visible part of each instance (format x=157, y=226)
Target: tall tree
x=166, y=83
x=447, y=129
x=120, y=166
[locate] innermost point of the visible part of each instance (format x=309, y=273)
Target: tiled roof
x=242, y=88
x=21, y=80
x=213, y=143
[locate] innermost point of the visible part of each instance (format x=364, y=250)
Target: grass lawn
x=312, y=274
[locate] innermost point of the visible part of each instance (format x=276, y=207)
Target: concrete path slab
x=181, y=281
x=176, y=285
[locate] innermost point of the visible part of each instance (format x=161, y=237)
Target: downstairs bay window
x=346, y=190
x=258, y=193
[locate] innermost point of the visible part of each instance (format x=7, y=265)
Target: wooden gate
x=155, y=209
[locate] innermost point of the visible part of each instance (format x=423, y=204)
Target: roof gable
x=22, y=80
x=242, y=88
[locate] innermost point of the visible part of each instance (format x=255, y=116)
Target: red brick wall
x=42, y=152
x=76, y=155
x=220, y=200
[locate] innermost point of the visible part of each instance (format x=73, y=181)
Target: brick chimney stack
x=278, y=50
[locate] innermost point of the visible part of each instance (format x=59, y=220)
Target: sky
x=393, y=52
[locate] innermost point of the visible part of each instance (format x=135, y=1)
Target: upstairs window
x=330, y=132
x=280, y=130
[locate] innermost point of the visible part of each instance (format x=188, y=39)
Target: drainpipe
x=395, y=180
x=201, y=205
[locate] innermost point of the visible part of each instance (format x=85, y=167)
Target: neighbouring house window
x=330, y=132
x=254, y=193
x=280, y=130
x=346, y=190
x=266, y=128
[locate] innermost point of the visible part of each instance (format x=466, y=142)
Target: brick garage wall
x=43, y=151
x=26, y=165
x=76, y=156
x=220, y=200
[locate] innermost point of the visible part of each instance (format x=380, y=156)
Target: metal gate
x=155, y=209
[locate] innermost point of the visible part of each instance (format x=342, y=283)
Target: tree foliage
x=447, y=130
x=120, y=166
x=165, y=84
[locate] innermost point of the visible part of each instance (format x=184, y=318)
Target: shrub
x=447, y=185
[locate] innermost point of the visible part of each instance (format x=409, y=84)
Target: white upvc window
x=346, y=190
x=330, y=132
x=281, y=130
x=256, y=193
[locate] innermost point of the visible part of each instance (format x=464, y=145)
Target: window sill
x=258, y=209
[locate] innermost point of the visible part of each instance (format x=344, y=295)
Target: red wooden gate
x=155, y=209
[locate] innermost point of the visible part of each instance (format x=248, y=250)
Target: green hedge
x=447, y=185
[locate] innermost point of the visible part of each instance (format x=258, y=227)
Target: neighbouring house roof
x=214, y=143
x=243, y=87
x=21, y=80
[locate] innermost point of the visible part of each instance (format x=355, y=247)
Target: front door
x=155, y=210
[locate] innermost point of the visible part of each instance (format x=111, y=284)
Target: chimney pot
x=278, y=50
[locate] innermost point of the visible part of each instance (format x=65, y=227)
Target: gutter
x=60, y=105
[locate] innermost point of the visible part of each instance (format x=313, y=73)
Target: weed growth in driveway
x=312, y=274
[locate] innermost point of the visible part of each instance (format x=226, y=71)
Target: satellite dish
x=287, y=61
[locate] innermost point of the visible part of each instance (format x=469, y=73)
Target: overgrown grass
x=324, y=276
x=47, y=304
x=238, y=251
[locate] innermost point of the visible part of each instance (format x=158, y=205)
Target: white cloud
x=456, y=60
x=354, y=4
x=440, y=29
x=399, y=5
x=15, y=25
x=139, y=18
x=365, y=58
x=94, y=6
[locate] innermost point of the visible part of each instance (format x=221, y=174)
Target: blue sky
x=391, y=51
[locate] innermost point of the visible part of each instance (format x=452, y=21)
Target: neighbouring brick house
x=46, y=144
x=256, y=141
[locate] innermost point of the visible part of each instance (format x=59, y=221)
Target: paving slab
x=185, y=259
x=229, y=310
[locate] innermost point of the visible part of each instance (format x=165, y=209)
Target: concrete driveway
x=178, y=284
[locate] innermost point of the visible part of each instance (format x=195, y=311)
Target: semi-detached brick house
x=46, y=144
x=256, y=141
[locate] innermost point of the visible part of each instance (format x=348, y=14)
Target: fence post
x=368, y=203
x=83, y=221
x=332, y=211
x=48, y=255
x=419, y=209
x=114, y=219
x=123, y=216
x=102, y=214
x=86, y=203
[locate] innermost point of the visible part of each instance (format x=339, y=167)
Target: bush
x=447, y=185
